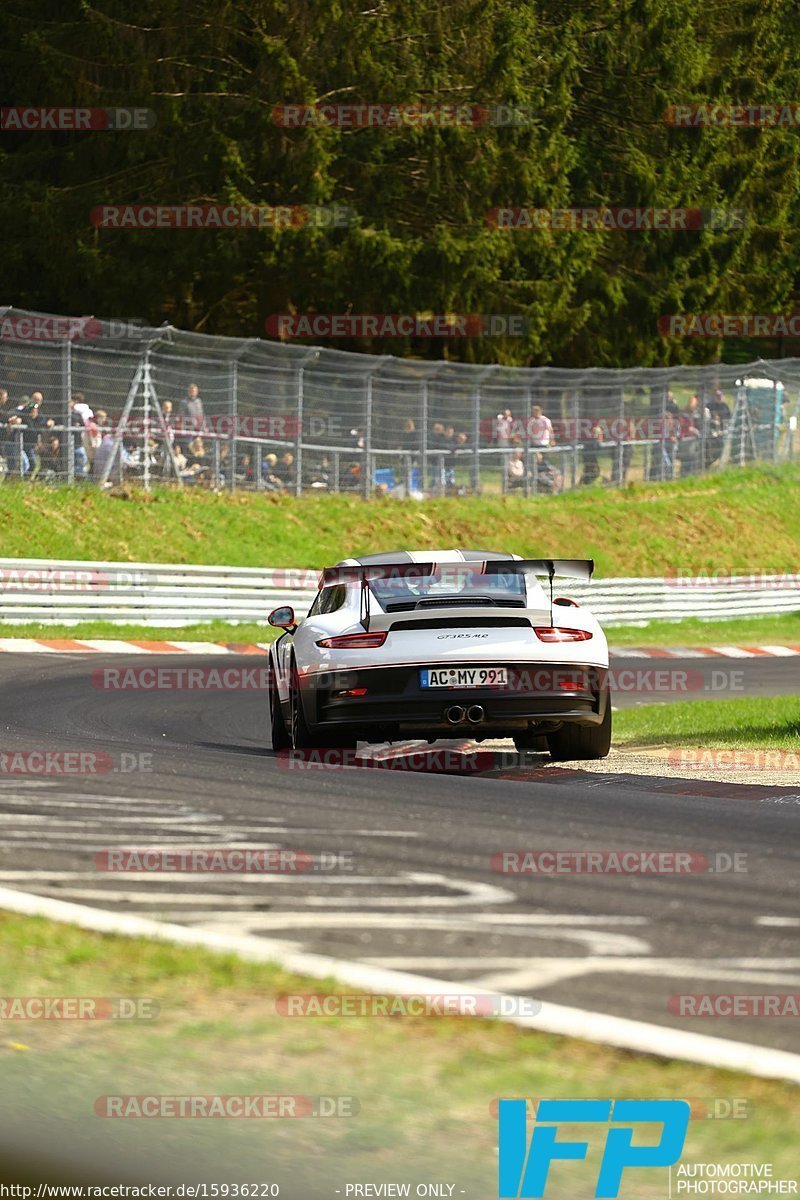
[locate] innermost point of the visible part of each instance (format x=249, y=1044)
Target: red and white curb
x=112, y=646
x=705, y=651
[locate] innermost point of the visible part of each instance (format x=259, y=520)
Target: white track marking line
x=179, y=877
x=733, y=652
x=202, y=648
x=779, y=651
x=644, y=1037
x=779, y=922
x=189, y=823
x=111, y=646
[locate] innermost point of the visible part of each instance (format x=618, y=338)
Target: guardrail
x=70, y=591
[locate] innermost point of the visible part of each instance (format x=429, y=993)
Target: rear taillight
x=354, y=641
x=562, y=635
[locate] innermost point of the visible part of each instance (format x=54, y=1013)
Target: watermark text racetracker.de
x=395, y=325
x=87, y=762
x=78, y=120
x=78, y=1008
x=226, y=1107
x=166, y=678
x=725, y=116
x=730, y=325
x=618, y=861
x=708, y=1108
x=65, y=579
x=709, y=759
x=222, y=216
x=411, y=1004
x=754, y=578
x=374, y=115
x=594, y=218
x=732, y=1005
x=222, y=860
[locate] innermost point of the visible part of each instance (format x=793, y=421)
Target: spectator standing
x=79, y=414
x=34, y=424
x=718, y=407
x=78, y=404
x=504, y=427
x=191, y=416
x=411, y=442
x=450, y=447
x=93, y=432
x=437, y=446
x=590, y=452
x=16, y=457
x=6, y=447
x=692, y=428
x=540, y=429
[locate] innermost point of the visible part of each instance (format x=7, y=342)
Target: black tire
x=277, y=726
x=576, y=742
x=304, y=738
x=299, y=732
x=530, y=740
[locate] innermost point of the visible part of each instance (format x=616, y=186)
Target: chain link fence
x=122, y=402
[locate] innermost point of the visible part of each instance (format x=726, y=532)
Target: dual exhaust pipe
x=456, y=714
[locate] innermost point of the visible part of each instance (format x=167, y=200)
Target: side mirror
x=283, y=618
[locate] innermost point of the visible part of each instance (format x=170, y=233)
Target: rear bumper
x=546, y=694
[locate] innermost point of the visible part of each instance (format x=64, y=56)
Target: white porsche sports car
x=443, y=644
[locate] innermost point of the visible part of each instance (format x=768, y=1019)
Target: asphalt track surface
x=421, y=893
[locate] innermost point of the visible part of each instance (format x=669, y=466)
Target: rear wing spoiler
x=568, y=568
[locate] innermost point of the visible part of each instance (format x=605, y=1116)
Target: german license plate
x=458, y=677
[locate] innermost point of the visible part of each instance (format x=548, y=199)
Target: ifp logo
x=524, y=1169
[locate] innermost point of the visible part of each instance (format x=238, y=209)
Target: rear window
x=456, y=582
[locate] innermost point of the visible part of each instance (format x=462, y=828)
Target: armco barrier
x=66, y=592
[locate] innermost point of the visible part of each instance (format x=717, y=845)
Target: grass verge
x=768, y=722
x=782, y=630
x=213, y=631
x=425, y=1086
x=710, y=523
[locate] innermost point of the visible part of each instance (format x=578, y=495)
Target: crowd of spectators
x=34, y=444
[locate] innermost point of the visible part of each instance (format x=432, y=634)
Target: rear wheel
x=277, y=726
x=581, y=741
x=304, y=738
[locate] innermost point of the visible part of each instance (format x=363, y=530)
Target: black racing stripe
x=392, y=556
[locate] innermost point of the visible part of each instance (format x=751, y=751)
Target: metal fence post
x=146, y=423
x=528, y=407
x=298, y=445
x=66, y=385
x=423, y=441
x=367, y=482
x=476, y=439
x=234, y=390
